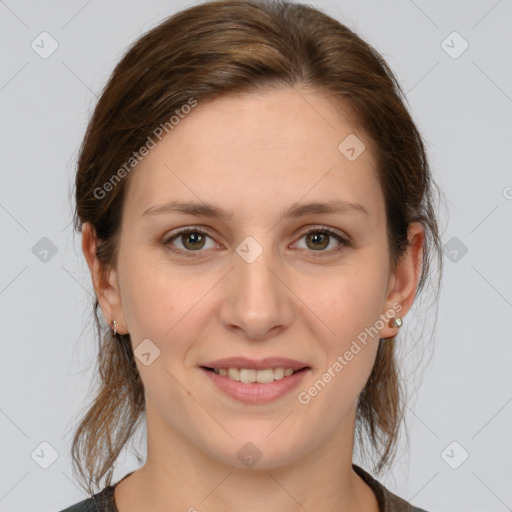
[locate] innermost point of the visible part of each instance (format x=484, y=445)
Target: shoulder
x=100, y=502
x=388, y=502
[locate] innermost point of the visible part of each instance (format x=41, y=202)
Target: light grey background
x=463, y=107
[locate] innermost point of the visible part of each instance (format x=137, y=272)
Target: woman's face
x=253, y=286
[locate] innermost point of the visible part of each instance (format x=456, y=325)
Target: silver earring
x=396, y=322
x=115, y=327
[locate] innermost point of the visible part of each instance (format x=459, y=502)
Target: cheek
x=153, y=295
x=348, y=301
x=165, y=304
x=349, y=304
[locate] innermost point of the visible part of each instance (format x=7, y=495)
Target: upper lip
x=256, y=364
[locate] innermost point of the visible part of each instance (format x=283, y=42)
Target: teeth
x=279, y=373
x=248, y=375
x=234, y=373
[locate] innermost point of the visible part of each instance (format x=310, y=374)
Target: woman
x=257, y=216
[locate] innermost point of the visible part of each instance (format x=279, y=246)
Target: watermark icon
x=351, y=147
x=249, y=454
x=249, y=249
x=44, y=455
x=454, y=455
x=304, y=397
x=455, y=249
x=454, y=45
x=507, y=192
x=159, y=132
x=146, y=352
x=44, y=250
x=44, y=45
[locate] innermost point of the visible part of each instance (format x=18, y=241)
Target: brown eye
x=318, y=240
x=194, y=240
x=191, y=241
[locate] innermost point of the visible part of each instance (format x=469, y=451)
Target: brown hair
x=212, y=50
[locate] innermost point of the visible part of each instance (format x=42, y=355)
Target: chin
x=256, y=451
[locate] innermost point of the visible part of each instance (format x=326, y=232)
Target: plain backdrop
x=453, y=60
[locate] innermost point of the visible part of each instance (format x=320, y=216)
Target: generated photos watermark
x=304, y=397
x=158, y=133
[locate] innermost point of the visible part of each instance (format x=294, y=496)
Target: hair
x=213, y=50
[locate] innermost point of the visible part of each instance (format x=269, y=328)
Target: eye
x=318, y=239
x=191, y=239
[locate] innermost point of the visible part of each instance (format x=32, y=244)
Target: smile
x=248, y=375
x=255, y=381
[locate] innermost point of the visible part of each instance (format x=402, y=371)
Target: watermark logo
x=454, y=455
x=146, y=352
x=44, y=455
x=249, y=249
x=454, y=45
x=455, y=249
x=352, y=147
x=249, y=455
x=44, y=250
x=44, y=45
x=305, y=397
x=137, y=156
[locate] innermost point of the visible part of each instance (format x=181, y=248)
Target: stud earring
x=396, y=322
x=115, y=327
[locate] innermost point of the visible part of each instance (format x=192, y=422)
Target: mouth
x=255, y=381
x=250, y=375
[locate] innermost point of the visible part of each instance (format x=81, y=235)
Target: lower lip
x=256, y=392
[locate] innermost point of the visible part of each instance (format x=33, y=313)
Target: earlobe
x=404, y=280
x=105, y=281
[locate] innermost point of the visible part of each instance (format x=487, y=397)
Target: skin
x=254, y=155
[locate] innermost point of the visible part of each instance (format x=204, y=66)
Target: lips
x=255, y=381
x=256, y=364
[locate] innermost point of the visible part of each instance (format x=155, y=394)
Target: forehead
x=259, y=149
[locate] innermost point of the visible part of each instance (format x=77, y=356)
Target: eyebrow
x=294, y=211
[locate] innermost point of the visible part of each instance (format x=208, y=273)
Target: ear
x=104, y=280
x=403, y=281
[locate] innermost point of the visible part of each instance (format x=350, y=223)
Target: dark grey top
x=388, y=502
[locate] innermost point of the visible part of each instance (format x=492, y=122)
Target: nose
x=258, y=302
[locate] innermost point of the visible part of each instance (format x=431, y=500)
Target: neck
x=179, y=476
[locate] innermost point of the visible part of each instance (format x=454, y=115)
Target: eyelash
x=191, y=229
